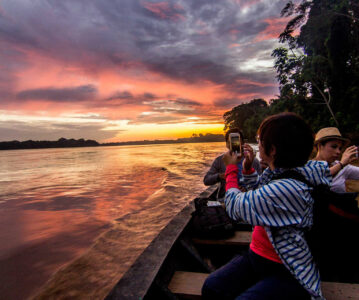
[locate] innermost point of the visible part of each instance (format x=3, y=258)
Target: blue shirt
x=287, y=205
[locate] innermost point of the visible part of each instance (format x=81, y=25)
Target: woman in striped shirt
x=279, y=264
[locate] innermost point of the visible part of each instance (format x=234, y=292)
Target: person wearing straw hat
x=330, y=144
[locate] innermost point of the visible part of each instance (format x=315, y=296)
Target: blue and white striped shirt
x=287, y=205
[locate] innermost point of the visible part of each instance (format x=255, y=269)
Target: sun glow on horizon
x=164, y=131
x=94, y=126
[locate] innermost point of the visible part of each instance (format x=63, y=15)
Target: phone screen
x=235, y=143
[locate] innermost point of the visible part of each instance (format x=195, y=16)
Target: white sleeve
x=351, y=172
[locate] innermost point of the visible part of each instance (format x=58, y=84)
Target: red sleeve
x=231, y=177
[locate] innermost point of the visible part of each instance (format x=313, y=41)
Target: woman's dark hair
x=234, y=130
x=291, y=137
x=316, y=146
x=328, y=140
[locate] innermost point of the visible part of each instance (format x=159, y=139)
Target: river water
x=102, y=204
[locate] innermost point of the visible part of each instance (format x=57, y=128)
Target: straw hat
x=330, y=133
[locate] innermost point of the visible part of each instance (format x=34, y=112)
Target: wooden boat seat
x=188, y=285
x=352, y=186
x=240, y=238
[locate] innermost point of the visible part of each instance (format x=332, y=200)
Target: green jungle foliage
x=247, y=116
x=317, y=70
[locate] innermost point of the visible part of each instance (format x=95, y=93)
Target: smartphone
x=235, y=143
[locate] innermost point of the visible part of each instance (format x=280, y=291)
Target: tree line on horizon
x=60, y=143
x=317, y=70
x=195, y=138
x=65, y=143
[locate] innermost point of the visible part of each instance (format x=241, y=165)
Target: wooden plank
x=352, y=186
x=240, y=238
x=339, y=291
x=189, y=285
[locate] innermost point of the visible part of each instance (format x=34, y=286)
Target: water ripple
x=54, y=203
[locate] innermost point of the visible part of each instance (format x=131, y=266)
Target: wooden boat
x=175, y=264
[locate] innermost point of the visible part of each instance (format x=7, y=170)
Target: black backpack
x=332, y=238
x=211, y=222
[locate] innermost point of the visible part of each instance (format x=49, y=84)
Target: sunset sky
x=120, y=70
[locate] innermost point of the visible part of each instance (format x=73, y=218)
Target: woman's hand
x=349, y=155
x=248, y=157
x=222, y=176
x=231, y=158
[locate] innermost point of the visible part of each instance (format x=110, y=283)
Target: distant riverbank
x=68, y=143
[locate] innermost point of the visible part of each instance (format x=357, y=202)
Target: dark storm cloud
x=149, y=96
x=121, y=98
x=252, y=93
x=257, y=89
x=80, y=93
x=187, y=102
x=125, y=95
x=193, y=67
x=171, y=103
x=11, y=62
x=199, y=48
x=185, y=40
x=227, y=102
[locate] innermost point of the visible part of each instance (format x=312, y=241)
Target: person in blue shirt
x=215, y=174
x=279, y=264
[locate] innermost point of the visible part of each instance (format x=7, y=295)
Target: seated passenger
x=279, y=264
x=330, y=144
x=216, y=173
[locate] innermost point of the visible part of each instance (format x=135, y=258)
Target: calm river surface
x=55, y=203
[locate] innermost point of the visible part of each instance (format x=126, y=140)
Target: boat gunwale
x=136, y=282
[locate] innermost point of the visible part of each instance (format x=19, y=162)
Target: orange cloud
x=234, y=45
x=45, y=73
x=130, y=74
x=272, y=31
x=164, y=10
x=247, y=82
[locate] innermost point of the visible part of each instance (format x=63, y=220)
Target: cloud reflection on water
x=56, y=202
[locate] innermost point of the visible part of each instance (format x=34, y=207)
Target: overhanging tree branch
x=326, y=100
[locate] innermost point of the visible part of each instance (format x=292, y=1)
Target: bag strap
x=342, y=204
